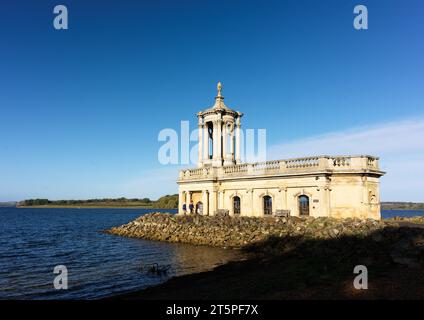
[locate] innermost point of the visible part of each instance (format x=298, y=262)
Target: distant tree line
x=165, y=202
x=402, y=205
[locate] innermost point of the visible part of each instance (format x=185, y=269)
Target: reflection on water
x=189, y=259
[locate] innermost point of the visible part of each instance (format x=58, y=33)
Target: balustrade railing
x=238, y=168
x=284, y=166
x=302, y=163
x=268, y=166
x=341, y=161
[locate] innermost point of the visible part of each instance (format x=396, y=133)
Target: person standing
x=191, y=207
x=184, y=208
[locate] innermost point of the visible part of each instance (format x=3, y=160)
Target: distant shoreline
x=92, y=207
x=140, y=207
x=117, y=206
x=164, y=202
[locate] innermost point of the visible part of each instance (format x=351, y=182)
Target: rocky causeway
x=407, y=244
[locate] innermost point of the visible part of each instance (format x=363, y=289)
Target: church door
x=304, y=205
x=267, y=205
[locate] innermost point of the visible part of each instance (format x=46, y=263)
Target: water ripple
x=34, y=241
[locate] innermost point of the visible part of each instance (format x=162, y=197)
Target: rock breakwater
x=240, y=231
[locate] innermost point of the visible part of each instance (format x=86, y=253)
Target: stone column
x=188, y=198
x=205, y=201
x=238, y=146
x=205, y=143
x=215, y=138
x=219, y=140
x=224, y=141
x=213, y=204
x=221, y=201
x=180, y=202
x=249, y=204
x=328, y=201
x=232, y=151
x=366, y=205
x=200, y=158
x=285, y=199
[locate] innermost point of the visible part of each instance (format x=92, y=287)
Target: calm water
x=401, y=213
x=34, y=241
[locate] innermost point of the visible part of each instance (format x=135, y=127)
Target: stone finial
x=219, y=88
x=219, y=99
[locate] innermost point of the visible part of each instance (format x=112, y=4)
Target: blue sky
x=81, y=109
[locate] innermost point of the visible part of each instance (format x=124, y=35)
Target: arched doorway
x=199, y=207
x=267, y=205
x=236, y=205
x=303, y=205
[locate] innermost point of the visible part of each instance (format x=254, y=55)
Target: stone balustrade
x=288, y=166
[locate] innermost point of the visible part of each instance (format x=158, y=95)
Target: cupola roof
x=219, y=105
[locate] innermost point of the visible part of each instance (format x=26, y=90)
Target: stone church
x=328, y=186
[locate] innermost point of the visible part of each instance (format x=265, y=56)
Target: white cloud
x=400, y=146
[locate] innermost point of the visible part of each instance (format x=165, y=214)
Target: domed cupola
x=219, y=134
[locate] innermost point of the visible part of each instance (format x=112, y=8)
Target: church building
x=318, y=186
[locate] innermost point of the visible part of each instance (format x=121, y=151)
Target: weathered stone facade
x=318, y=186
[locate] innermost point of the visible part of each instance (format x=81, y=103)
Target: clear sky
x=81, y=108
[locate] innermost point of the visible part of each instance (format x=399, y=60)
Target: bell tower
x=219, y=134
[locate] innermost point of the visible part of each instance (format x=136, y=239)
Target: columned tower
x=219, y=134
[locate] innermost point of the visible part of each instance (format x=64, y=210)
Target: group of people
x=190, y=207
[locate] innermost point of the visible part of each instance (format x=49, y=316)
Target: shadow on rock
x=302, y=267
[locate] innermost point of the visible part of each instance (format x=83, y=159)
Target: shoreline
x=304, y=266
x=141, y=207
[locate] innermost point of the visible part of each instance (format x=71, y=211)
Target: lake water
x=34, y=241
x=401, y=213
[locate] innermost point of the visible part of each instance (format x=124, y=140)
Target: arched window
x=236, y=205
x=267, y=205
x=303, y=205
